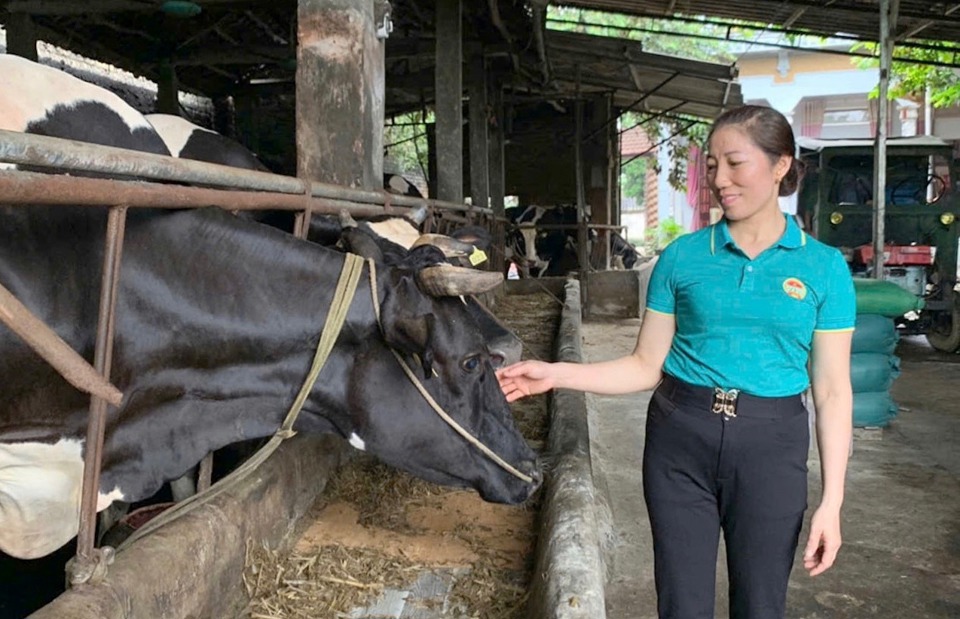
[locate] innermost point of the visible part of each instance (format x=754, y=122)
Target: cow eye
x=471, y=364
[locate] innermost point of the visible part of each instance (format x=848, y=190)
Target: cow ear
x=361, y=242
x=407, y=319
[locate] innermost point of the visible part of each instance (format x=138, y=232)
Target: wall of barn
x=540, y=155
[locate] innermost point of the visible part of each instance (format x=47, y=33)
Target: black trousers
x=745, y=475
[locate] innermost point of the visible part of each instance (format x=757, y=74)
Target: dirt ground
x=901, y=552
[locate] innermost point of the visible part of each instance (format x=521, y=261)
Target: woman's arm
x=635, y=372
x=833, y=398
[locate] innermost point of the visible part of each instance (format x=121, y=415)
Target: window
x=846, y=123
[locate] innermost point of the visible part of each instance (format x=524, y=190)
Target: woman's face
x=741, y=175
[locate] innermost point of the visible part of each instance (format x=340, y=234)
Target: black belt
x=728, y=402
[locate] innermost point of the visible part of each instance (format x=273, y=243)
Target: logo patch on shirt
x=794, y=288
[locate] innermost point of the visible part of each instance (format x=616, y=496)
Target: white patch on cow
x=174, y=131
x=398, y=184
x=357, y=442
x=31, y=91
x=397, y=229
x=40, y=485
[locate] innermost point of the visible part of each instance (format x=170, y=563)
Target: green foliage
x=678, y=135
x=661, y=236
x=405, y=141
x=909, y=79
x=633, y=179
x=658, y=36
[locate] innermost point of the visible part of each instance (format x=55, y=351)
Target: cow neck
x=342, y=298
x=429, y=398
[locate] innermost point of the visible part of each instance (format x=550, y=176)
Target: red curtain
x=811, y=117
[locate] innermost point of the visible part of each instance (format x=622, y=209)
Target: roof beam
x=912, y=32
x=72, y=7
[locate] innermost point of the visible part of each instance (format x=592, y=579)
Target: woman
x=742, y=317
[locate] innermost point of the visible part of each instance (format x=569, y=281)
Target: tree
x=909, y=79
x=405, y=142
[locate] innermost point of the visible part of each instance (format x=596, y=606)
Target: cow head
x=442, y=343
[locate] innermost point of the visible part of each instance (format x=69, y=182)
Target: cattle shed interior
x=506, y=115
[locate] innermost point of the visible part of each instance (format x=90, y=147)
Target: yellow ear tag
x=477, y=257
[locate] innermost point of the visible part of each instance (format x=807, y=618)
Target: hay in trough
x=327, y=583
x=329, y=580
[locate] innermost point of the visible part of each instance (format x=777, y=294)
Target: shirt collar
x=793, y=237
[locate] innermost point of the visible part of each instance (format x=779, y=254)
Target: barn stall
x=560, y=121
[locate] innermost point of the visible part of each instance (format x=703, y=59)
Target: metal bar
x=103, y=357
x=23, y=188
x=46, y=343
x=67, y=155
x=888, y=20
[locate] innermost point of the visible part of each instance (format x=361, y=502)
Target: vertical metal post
x=582, y=253
x=103, y=358
x=479, y=136
x=168, y=90
x=22, y=36
x=449, y=106
x=888, y=20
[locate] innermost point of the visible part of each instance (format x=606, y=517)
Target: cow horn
x=450, y=246
x=347, y=220
x=418, y=215
x=449, y=281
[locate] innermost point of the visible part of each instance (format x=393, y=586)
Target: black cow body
x=396, y=184
x=189, y=141
x=217, y=321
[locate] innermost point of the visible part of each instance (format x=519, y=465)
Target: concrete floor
x=901, y=519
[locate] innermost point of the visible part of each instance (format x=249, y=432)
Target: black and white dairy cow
x=542, y=252
x=217, y=320
x=553, y=252
x=189, y=141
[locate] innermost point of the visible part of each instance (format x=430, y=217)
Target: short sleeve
x=661, y=293
x=838, y=310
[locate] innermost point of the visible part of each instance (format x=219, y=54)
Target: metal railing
x=222, y=186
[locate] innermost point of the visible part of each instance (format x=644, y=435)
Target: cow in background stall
x=216, y=324
x=539, y=251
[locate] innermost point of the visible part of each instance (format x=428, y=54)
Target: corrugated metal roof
x=931, y=20
x=640, y=80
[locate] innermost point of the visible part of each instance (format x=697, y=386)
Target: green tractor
x=921, y=231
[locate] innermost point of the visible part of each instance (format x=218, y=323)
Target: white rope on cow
x=342, y=298
x=433, y=403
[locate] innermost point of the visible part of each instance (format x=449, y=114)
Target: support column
x=225, y=116
x=497, y=161
x=449, y=105
x=888, y=24
x=22, y=36
x=479, y=142
x=340, y=93
x=168, y=90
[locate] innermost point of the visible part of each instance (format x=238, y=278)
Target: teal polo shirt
x=749, y=324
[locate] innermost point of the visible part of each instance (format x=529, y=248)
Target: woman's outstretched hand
x=526, y=378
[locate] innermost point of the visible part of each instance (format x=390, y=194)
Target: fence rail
x=147, y=184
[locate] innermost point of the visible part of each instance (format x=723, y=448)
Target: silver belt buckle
x=725, y=402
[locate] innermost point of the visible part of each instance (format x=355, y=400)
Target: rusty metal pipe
x=103, y=357
x=23, y=188
x=25, y=149
x=46, y=343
